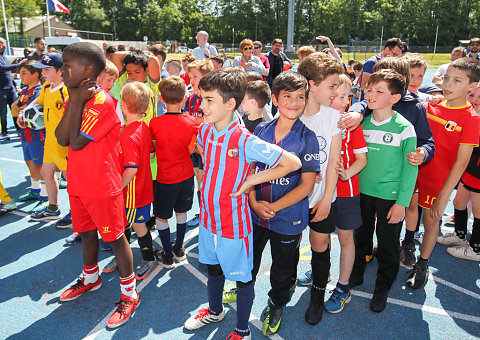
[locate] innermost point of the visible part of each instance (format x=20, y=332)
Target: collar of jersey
x=53, y=89
x=225, y=130
x=443, y=103
x=383, y=122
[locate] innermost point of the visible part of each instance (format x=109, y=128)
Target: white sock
x=35, y=185
x=43, y=190
x=90, y=274
x=128, y=285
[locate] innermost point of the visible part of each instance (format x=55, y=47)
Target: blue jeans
x=7, y=97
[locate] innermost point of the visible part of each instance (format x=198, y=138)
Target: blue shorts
x=138, y=215
x=197, y=160
x=33, y=151
x=235, y=256
x=348, y=215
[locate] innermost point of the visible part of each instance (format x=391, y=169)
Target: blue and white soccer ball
x=33, y=117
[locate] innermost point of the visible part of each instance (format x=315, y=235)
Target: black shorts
x=197, y=160
x=326, y=226
x=176, y=197
x=348, y=215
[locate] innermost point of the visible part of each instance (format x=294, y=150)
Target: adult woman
x=248, y=61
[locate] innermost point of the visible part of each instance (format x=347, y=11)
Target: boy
x=280, y=207
x=455, y=126
x=160, y=52
x=174, y=67
x=322, y=72
x=33, y=141
x=257, y=96
x=91, y=129
x=390, y=137
x=174, y=134
x=418, y=66
x=187, y=60
x=225, y=236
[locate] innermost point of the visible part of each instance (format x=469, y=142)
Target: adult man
x=7, y=88
x=257, y=51
x=457, y=53
x=394, y=47
x=39, y=49
x=204, y=50
x=277, y=59
x=473, y=46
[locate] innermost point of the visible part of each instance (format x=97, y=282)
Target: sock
x=128, y=286
x=244, y=307
x=90, y=273
x=145, y=243
x=52, y=207
x=164, y=233
x=35, y=185
x=320, y=270
x=128, y=232
x=43, y=190
x=461, y=219
x=181, y=230
x=475, y=238
x=408, y=237
x=343, y=286
x=422, y=262
x=215, y=292
x=419, y=221
x=198, y=197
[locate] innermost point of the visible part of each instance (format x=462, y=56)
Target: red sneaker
x=79, y=288
x=125, y=308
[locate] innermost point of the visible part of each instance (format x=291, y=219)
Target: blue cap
x=50, y=60
x=427, y=88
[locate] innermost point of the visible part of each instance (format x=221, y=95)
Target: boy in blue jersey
x=225, y=234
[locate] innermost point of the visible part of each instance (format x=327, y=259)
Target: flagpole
x=6, y=28
x=48, y=20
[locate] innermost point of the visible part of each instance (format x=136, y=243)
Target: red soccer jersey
x=94, y=171
x=136, y=145
x=174, y=135
x=352, y=143
x=450, y=128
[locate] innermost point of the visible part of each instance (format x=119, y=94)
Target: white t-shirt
x=324, y=125
x=424, y=97
x=441, y=70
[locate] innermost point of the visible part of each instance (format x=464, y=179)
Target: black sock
x=461, y=218
x=408, y=237
x=344, y=287
x=52, y=207
x=128, y=232
x=145, y=243
x=181, y=230
x=475, y=238
x=422, y=262
x=419, y=220
x=320, y=272
x=215, y=292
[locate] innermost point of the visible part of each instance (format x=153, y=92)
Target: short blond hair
x=189, y=57
x=205, y=66
x=110, y=68
x=344, y=79
x=416, y=60
x=305, y=51
x=175, y=62
x=136, y=96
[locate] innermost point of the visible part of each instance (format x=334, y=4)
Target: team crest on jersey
x=232, y=153
x=344, y=133
x=387, y=138
x=450, y=126
x=59, y=104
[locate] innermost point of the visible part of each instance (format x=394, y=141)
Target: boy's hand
x=263, y=210
x=20, y=121
x=84, y=92
x=321, y=210
x=396, y=214
x=318, y=178
x=438, y=207
x=322, y=38
x=350, y=120
x=342, y=173
x=416, y=158
x=244, y=188
x=436, y=99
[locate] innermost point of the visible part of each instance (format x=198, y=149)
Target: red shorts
x=427, y=194
x=106, y=214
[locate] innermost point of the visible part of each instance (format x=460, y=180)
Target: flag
x=57, y=6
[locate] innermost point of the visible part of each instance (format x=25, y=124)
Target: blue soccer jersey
x=302, y=142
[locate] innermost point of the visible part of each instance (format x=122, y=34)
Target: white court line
x=12, y=160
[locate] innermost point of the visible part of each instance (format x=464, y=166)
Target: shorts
x=33, y=151
x=326, y=226
x=105, y=214
x=235, y=256
x=57, y=154
x=427, y=195
x=470, y=188
x=176, y=197
x=348, y=215
x=197, y=160
x=138, y=215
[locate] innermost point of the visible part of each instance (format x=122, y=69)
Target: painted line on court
x=12, y=160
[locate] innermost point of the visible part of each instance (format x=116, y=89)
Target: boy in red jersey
x=174, y=134
x=91, y=130
x=455, y=126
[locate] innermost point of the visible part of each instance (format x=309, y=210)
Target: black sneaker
x=408, y=251
x=151, y=224
x=314, y=312
x=164, y=260
x=379, y=300
x=418, y=276
x=355, y=281
x=179, y=254
x=273, y=319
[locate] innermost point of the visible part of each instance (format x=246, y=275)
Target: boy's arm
x=154, y=68
x=117, y=59
x=354, y=169
x=333, y=51
x=296, y=194
x=424, y=136
x=355, y=115
x=128, y=175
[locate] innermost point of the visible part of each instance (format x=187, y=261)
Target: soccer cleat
x=145, y=269
x=379, y=301
x=230, y=293
x=111, y=266
x=6, y=207
x=235, y=336
x=451, y=239
x=193, y=222
x=337, y=301
x=464, y=252
x=29, y=196
x=273, y=319
x=408, y=252
x=74, y=238
x=164, y=260
x=202, y=318
x=125, y=308
x=418, y=276
x=418, y=236
x=179, y=254
x=306, y=278
x=79, y=288
x=65, y=222
x=45, y=214
x=450, y=220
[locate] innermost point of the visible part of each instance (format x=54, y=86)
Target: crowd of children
x=128, y=133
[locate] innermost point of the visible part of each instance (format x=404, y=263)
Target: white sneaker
x=450, y=220
x=202, y=318
x=451, y=239
x=464, y=252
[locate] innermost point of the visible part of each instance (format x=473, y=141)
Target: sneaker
x=202, y=318
x=74, y=238
x=5, y=136
x=46, y=214
x=111, y=266
x=230, y=293
x=125, y=308
x=62, y=183
x=79, y=288
x=179, y=254
x=193, y=222
x=235, y=336
x=450, y=220
x=464, y=252
x=408, y=251
x=164, y=260
x=65, y=222
x=29, y=196
x=418, y=277
x=451, y=239
x=306, y=278
x=273, y=319
x=337, y=301
x=145, y=269
x=7, y=207
x=379, y=300
x=418, y=236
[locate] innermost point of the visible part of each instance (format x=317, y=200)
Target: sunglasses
x=247, y=48
x=258, y=47
x=475, y=45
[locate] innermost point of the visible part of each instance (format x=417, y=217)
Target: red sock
x=90, y=273
x=128, y=286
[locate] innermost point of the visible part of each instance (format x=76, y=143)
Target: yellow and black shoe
x=273, y=319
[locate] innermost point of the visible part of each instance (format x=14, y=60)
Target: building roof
x=31, y=23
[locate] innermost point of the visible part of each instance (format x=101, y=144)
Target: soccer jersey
x=26, y=96
x=227, y=158
x=388, y=174
x=325, y=125
x=95, y=171
x=353, y=144
x=136, y=145
x=451, y=126
x=175, y=136
x=192, y=107
x=302, y=142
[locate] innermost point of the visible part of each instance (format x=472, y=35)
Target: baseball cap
x=50, y=60
x=427, y=88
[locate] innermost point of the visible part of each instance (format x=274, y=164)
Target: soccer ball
x=33, y=117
